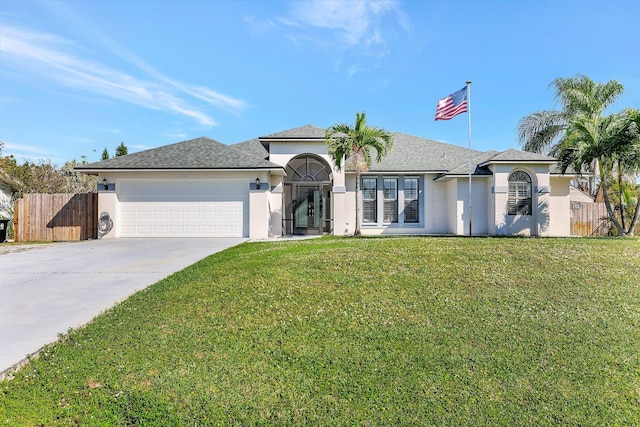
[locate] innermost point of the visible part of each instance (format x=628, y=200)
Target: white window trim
x=399, y=200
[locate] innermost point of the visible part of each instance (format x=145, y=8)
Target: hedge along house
x=285, y=184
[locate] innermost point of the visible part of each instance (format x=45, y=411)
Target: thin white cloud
x=364, y=30
x=25, y=152
x=355, y=23
x=49, y=57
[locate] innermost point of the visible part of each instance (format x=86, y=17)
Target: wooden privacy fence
x=589, y=219
x=56, y=217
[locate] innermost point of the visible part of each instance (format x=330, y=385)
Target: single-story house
x=286, y=183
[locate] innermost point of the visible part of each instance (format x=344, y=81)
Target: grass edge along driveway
x=334, y=331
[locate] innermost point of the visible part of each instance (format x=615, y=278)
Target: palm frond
x=581, y=95
x=539, y=131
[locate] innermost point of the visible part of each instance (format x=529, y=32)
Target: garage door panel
x=176, y=215
x=183, y=208
x=143, y=215
x=159, y=215
x=160, y=229
x=192, y=215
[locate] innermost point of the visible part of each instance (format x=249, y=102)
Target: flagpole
x=470, y=153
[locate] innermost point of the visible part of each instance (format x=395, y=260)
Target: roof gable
x=252, y=147
x=476, y=169
x=199, y=153
x=517, y=156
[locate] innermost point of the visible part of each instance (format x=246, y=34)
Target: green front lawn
x=344, y=331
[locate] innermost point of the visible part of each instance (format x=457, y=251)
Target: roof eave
x=399, y=171
x=292, y=139
x=447, y=177
x=94, y=171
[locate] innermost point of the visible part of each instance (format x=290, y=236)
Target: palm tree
x=542, y=131
x=624, y=148
x=356, y=144
x=612, y=142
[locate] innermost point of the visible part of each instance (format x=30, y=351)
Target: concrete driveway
x=48, y=290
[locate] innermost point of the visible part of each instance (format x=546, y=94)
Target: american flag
x=452, y=105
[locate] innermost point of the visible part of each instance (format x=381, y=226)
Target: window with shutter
x=369, y=200
x=390, y=192
x=411, y=200
x=519, y=201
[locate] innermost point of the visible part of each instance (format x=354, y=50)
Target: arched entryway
x=307, y=196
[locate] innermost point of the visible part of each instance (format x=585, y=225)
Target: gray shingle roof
x=304, y=132
x=199, y=153
x=409, y=154
x=414, y=154
x=479, y=163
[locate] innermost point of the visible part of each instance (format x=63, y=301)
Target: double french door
x=309, y=211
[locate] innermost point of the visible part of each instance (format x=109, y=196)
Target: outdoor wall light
x=104, y=183
x=257, y=183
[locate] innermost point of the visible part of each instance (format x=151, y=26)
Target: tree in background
x=613, y=143
x=40, y=177
x=355, y=144
x=45, y=177
x=77, y=182
x=105, y=154
x=121, y=150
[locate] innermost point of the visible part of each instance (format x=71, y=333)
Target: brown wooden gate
x=589, y=219
x=56, y=217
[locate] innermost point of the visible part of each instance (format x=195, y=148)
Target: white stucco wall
x=275, y=206
x=436, y=206
x=537, y=224
x=454, y=208
x=491, y=207
x=345, y=208
x=259, y=213
x=107, y=205
x=560, y=206
x=479, y=217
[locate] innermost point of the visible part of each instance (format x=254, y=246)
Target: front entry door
x=307, y=215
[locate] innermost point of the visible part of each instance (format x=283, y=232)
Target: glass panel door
x=307, y=209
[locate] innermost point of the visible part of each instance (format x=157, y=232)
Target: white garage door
x=217, y=208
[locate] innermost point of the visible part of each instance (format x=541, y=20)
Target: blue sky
x=79, y=76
